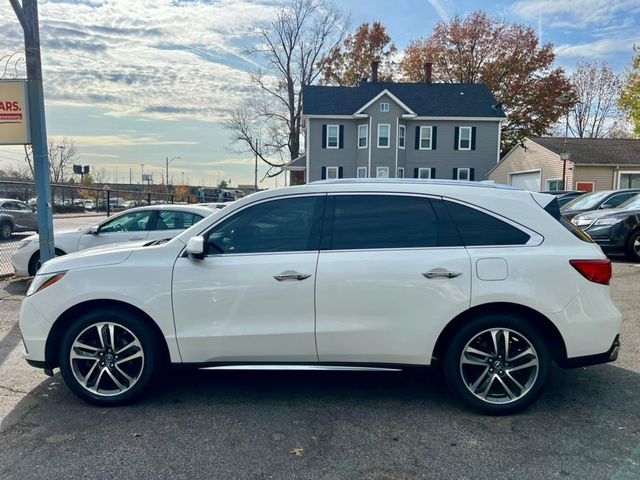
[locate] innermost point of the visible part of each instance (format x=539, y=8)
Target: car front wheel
x=5, y=231
x=108, y=357
x=497, y=364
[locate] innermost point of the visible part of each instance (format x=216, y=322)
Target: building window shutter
x=473, y=138
x=456, y=136
x=434, y=137
x=472, y=175
x=323, y=175
x=340, y=169
x=417, y=139
x=433, y=172
x=324, y=137
x=455, y=173
x=341, y=139
x=415, y=173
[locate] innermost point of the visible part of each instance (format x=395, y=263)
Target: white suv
x=487, y=281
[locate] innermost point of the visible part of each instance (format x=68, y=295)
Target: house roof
x=614, y=151
x=425, y=99
x=299, y=163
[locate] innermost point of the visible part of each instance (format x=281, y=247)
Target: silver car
x=16, y=216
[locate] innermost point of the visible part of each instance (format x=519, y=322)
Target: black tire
x=517, y=329
x=631, y=251
x=6, y=229
x=148, y=365
x=34, y=261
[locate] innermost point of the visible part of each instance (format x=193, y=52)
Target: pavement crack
x=14, y=391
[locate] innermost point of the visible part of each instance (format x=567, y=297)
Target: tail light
x=597, y=271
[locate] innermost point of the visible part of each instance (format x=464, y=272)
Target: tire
x=633, y=247
x=464, y=368
x=34, y=261
x=5, y=231
x=110, y=380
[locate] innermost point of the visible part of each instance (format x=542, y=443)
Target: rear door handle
x=441, y=273
x=291, y=275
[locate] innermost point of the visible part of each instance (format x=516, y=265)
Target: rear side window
x=383, y=221
x=171, y=220
x=553, y=209
x=480, y=229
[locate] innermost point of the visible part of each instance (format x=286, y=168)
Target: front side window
x=384, y=107
x=129, y=222
x=285, y=225
x=363, y=136
x=464, y=141
x=383, y=221
x=171, y=220
x=402, y=134
x=332, y=172
x=382, y=172
x=383, y=135
x=424, y=173
x=463, y=174
x=333, y=132
x=361, y=172
x=425, y=138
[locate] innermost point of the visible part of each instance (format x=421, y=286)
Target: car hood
x=93, y=257
x=610, y=212
x=59, y=234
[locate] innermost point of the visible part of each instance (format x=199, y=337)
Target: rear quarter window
x=553, y=209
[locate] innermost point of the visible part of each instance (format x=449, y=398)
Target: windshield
x=586, y=201
x=632, y=203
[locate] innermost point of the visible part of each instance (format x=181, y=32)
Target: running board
x=304, y=367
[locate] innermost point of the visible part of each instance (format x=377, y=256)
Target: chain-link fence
x=81, y=206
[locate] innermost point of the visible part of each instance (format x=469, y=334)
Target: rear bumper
x=610, y=355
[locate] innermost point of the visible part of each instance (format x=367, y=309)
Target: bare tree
x=62, y=155
x=597, y=89
x=292, y=48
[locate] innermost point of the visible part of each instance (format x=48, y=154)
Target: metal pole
x=108, y=202
x=564, y=151
x=255, y=177
x=28, y=17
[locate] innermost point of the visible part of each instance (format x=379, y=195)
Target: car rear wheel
x=633, y=247
x=5, y=231
x=497, y=364
x=108, y=357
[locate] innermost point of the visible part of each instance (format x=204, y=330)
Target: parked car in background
x=564, y=196
x=16, y=216
x=597, y=200
x=130, y=204
x=616, y=230
x=370, y=275
x=90, y=205
x=139, y=224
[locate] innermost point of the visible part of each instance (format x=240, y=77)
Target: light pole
x=182, y=178
x=167, y=163
x=566, y=99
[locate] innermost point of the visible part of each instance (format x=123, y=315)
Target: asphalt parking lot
x=372, y=426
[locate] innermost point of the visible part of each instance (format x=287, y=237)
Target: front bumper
x=35, y=329
x=610, y=355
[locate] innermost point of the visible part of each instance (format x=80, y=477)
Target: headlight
x=40, y=282
x=581, y=222
x=608, y=221
x=24, y=243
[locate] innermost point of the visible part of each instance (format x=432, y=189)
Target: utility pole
x=27, y=14
x=255, y=177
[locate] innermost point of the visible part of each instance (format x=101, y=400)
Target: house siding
x=604, y=178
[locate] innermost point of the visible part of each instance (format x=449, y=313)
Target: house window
x=425, y=138
x=332, y=172
x=400, y=172
x=384, y=107
x=554, y=184
x=424, y=173
x=383, y=135
x=464, y=174
x=629, y=180
x=361, y=172
x=464, y=140
x=363, y=136
x=382, y=172
x=333, y=133
x=402, y=134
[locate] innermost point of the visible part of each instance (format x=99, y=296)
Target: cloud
x=574, y=14
x=117, y=141
x=596, y=49
x=441, y=7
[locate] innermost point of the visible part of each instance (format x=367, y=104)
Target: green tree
x=629, y=101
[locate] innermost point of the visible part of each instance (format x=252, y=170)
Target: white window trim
x=366, y=137
x=547, y=182
x=337, y=170
x=460, y=137
x=623, y=172
x=388, y=125
x=382, y=168
x=400, y=169
x=337, y=137
x=468, y=170
x=404, y=137
x=359, y=169
x=428, y=170
x=383, y=104
x=430, y=128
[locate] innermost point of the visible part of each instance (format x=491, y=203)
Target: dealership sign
x=14, y=115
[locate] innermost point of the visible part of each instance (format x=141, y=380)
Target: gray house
x=398, y=130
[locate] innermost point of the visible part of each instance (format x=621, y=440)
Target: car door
x=28, y=217
x=127, y=227
x=12, y=208
x=391, y=273
x=251, y=298
x=170, y=223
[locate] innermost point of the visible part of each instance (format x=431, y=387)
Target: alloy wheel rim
x=106, y=359
x=636, y=246
x=499, y=366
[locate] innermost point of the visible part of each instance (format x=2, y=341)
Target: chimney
x=374, y=71
x=427, y=72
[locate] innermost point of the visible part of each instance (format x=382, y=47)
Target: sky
x=134, y=82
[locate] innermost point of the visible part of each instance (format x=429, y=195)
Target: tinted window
x=477, y=228
x=553, y=209
x=383, y=221
x=170, y=220
x=129, y=222
x=287, y=225
x=618, y=199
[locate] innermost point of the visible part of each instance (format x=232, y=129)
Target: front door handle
x=291, y=275
x=441, y=273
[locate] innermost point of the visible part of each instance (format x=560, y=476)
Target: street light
x=566, y=99
x=167, y=163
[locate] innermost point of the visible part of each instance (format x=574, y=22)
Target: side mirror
x=95, y=230
x=195, y=247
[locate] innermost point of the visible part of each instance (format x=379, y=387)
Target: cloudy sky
x=135, y=81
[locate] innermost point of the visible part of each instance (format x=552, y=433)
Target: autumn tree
x=350, y=61
x=629, y=100
x=506, y=57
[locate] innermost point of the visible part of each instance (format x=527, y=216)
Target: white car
x=145, y=223
x=488, y=282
